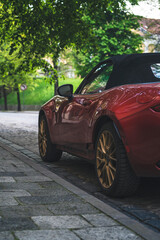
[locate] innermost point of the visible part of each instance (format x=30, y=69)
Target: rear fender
x=100, y=122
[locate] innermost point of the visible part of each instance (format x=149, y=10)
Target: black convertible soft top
x=132, y=69
x=128, y=69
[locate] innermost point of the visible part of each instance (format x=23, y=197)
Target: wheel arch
x=41, y=113
x=98, y=125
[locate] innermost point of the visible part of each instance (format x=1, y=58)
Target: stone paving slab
x=141, y=214
x=59, y=191
x=20, y=185
x=66, y=222
x=6, y=179
x=10, y=169
x=100, y=220
x=32, y=179
x=7, y=201
x=106, y=233
x=154, y=222
x=14, y=193
x=13, y=174
x=6, y=236
x=72, y=208
x=50, y=185
x=5, y=141
x=12, y=224
x=46, y=235
x=31, y=200
x=32, y=173
x=24, y=211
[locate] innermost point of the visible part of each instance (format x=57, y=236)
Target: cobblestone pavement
x=144, y=206
x=34, y=206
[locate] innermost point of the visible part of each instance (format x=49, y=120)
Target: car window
x=156, y=69
x=98, y=80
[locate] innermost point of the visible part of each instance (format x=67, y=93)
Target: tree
x=112, y=34
x=48, y=26
x=14, y=70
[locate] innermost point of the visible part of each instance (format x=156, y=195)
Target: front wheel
x=47, y=150
x=114, y=172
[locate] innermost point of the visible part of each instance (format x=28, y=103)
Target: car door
x=76, y=115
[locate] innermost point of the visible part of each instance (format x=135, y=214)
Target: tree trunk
x=55, y=86
x=56, y=79
x=18, y=99
x=5, y=98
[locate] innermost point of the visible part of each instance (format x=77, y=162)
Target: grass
x=40, y=93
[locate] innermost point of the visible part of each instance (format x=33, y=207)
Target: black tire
x=113, y=169
x=47, y=150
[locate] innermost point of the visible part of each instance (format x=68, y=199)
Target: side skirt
x=87, y=153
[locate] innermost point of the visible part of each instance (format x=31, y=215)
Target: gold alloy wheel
x=106, y=160
x=42, y=138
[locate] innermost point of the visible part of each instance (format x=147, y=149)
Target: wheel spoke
x=100, y=162
x=107, y=139
x=42, y=127
x=102, y=171
x=100, y=165
x=108, y=176
x=104, y=139
x=43, y=148
x=101, y=159
x=109, y=142
x=45, y=138
x=111, y=173
x=104, y=175
x=112, y=158
x=102, y=146
x=99, y=149
x=113, y=150
x=111, y=166
x=40, y=144
x=39, y=136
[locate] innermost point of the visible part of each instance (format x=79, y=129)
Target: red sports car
x=112, y=119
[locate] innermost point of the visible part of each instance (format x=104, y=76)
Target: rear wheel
x=47, y=150
x=114, y=172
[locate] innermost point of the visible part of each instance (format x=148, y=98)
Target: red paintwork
x=72, y=124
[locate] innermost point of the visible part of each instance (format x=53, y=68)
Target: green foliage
x=43, y=27
x=112, y=34
x=14, y=69
x=40, y=92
